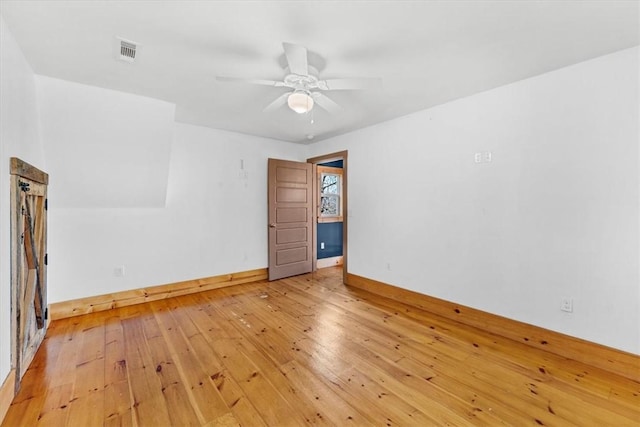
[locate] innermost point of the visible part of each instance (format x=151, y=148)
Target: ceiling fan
x=307, y=88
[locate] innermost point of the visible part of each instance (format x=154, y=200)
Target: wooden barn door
x=28, y=263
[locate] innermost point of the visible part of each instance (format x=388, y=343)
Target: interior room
x=291, y=213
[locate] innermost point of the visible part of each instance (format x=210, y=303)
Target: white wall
x=214, y=221
x=555, y=214
x=105, y=148
x=19, y=137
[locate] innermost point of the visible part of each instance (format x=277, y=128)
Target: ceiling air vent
x=127, y=50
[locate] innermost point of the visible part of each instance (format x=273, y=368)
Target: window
x=330, y=194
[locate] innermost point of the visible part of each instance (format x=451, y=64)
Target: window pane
x=329, y=184
x=329, y=205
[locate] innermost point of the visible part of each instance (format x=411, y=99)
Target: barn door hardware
x=24, y=186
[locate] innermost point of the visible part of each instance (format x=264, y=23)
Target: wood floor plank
x=391, y=409
x=299, y=338
x=117, y=402
x=55, y=409
x=86, y=406
x=263, y=374
x=201, y=329
x=67, y=338
x=331, y=406
x=306, y=350
x=27, y=405
x=387, y=366
x=174, y=389
x=44, y=377
x=202, y=394
x=445, y=414
x=146, y=399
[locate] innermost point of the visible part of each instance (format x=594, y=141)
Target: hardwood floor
x=303, y=350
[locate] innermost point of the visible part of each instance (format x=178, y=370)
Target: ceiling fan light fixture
x=300, y=101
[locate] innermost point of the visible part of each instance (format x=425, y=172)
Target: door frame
x=340, y=155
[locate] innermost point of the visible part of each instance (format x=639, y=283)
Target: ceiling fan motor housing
x=303, y=82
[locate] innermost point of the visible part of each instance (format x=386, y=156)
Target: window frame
x=323, y=171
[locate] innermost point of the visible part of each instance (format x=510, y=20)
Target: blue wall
x=336, y=164
x=330, y=232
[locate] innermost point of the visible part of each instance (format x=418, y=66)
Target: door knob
x=272, y=225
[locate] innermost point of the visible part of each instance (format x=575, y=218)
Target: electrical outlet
x=321, y=245
x=482, y=157
x=566, y=304
x=118, y=271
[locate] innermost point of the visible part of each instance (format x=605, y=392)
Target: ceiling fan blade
x=327, y=103
x=279, y=102
x=362, y=83
x=297, y=59
x=250, y=81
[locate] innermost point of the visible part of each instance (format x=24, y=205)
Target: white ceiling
x=426, y=53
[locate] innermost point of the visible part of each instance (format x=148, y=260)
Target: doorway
x=331, y=209
x=293, y=212
x=330, y=214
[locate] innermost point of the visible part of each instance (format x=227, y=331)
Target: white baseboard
x=329, y=262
